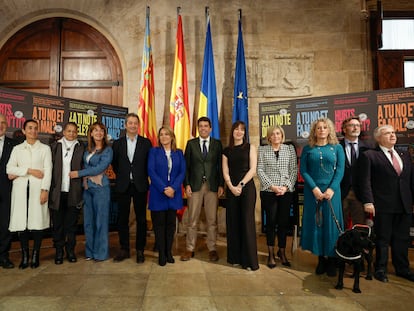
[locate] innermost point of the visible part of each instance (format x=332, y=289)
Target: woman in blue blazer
x=166, y=169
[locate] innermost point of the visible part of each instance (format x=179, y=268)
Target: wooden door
x=62, y=57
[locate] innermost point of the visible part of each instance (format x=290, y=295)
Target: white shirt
x=348, y=146
x=1, y=145
x=207, y=143
x=131, y=145
x=67, y=152
x=395, y=153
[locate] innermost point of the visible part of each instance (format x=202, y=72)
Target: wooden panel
x=76, y=40
x=63, y=57
x=27, y=69
x=98, y=95
x=390, y=70
x=86, y=69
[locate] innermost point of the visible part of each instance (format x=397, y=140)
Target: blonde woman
x=322, y=166
x=277, y=170
x=166, y=169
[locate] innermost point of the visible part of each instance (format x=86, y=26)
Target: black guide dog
x=354, y=246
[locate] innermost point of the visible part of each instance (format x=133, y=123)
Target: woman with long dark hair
x=239, y=168
x=30, y=168
x=97, y=193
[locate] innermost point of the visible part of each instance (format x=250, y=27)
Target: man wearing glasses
x=353, y=147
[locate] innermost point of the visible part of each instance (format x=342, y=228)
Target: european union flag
x=208, y=93
x=240, y=104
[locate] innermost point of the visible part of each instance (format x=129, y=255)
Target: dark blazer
x=351, y=173
x=6, y=184
x=75, y=188
x=380, y=184
x=158, y=172
x=122, y=167
x=197, y=167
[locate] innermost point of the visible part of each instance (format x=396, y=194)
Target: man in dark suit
x=6, y=146
x=353, y=146
x=203, y=186
x=130, y=166
x=387, y=187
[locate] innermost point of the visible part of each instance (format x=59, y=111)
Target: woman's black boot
x=322, y=265
x=35, y=259
x=331, y=267
x=25, y=259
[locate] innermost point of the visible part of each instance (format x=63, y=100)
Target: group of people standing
x=350, y=183
x=342, y=181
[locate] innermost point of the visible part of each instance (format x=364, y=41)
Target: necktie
x=395, y=162
x=353, y=153
x=204, y=149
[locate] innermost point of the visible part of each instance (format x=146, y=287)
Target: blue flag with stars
x=240, y=104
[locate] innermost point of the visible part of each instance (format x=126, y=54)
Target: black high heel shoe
x=285, y=262
x=170, y=258
x=271, y=265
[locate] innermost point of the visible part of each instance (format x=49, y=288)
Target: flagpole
x=240, y=97
x=178, y=10
x=148, y=11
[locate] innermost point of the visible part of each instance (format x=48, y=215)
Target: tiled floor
x=193, y=285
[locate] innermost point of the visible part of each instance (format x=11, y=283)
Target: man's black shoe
x=381, y=276
x=6, y=263
x=409, y=276
x=140, y=256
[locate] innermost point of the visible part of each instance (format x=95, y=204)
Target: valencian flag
x=179, y=112
x=146, y=106
x=240, y=104
x=208, y=96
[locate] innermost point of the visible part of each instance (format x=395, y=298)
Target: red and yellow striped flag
x=179, y=112
x=146, y=106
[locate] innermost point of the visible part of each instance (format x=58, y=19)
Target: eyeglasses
x=353, y=125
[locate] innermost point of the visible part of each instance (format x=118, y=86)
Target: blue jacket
x=158, y=173
x=97, y=164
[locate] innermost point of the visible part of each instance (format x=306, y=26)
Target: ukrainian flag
x=208, y=93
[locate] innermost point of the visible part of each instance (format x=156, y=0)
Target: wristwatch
x=242, y=184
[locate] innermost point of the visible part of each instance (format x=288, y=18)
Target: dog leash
x=319, y=215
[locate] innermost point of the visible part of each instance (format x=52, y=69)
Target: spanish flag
x=208, y=93
x=146, y=106
x=179, y=112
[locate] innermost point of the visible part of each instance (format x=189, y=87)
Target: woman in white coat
x=30, y=168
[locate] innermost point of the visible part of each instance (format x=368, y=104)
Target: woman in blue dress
x=166, y=169
x=322, y=167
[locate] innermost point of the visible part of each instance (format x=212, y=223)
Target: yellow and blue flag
x=240, y=103
x=208, y=93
